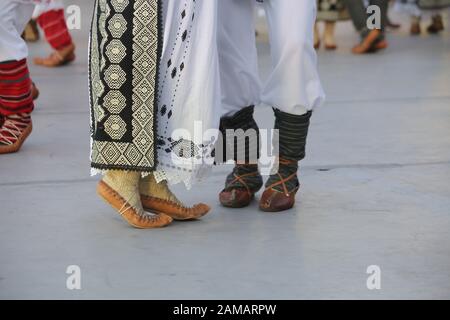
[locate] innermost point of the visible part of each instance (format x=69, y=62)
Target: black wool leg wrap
x=240, y=142
x=290, y=139
x=240, y=138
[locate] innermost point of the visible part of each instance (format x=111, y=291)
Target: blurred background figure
x=371, y=40
x=16, y=88
x=49, y=15
x=391, y=25
x=417, y=8
x=329, y=12
x=411, y=8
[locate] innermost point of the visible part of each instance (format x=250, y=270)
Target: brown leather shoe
x=273, y=200
x=317, y=45
x=415, y=29
x=127, y=212
x=437, y=25
x=368, y=42
x=17, y=134
x=380, y=45
x=58, y=58
x=330, y=47
x=236, y=198
x=174, y=210
x=238, y=193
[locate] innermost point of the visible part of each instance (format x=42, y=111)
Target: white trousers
x=14, y=16
x=293, y=85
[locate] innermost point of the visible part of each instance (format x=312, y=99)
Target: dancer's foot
x=415, y=29
x=58, y=58
x=317, y=45
x=241, y=186
x=14, y=131
x=281, y=188
x=31, y=32
x=121, y=190
x=158, y=198
x=368, y=42
x=437, y=24
x=381, y=45
x=316, y=36
x=330, y=47
x=245, y=180
x=329, y=39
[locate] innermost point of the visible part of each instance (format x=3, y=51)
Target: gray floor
x=375, y=191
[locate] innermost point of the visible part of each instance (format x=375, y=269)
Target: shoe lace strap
x=282, y=180
x=283, y=183
x=10, y=127
x=127, y=203
x=240, y=178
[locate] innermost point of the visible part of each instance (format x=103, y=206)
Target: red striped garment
x=15, y=88
x=55, y=29
x=13, y=128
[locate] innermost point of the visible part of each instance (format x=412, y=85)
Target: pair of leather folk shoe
x=143, y=203
x=245, y=180
x=279, y=194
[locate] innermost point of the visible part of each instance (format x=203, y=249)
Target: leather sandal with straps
x=278, y=196
x=14, y=130
x=241, y=186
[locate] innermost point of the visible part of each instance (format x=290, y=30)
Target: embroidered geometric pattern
x=116, y=51
x=124, y=55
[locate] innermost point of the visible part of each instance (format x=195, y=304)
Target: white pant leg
x=294, y=85
x=240, y=82
x=411, y=8
x=47, y=5
x=14, y=16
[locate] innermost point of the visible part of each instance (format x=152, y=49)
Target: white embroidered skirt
x=189, y=91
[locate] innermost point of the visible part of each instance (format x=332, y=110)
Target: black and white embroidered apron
x=125, y=48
